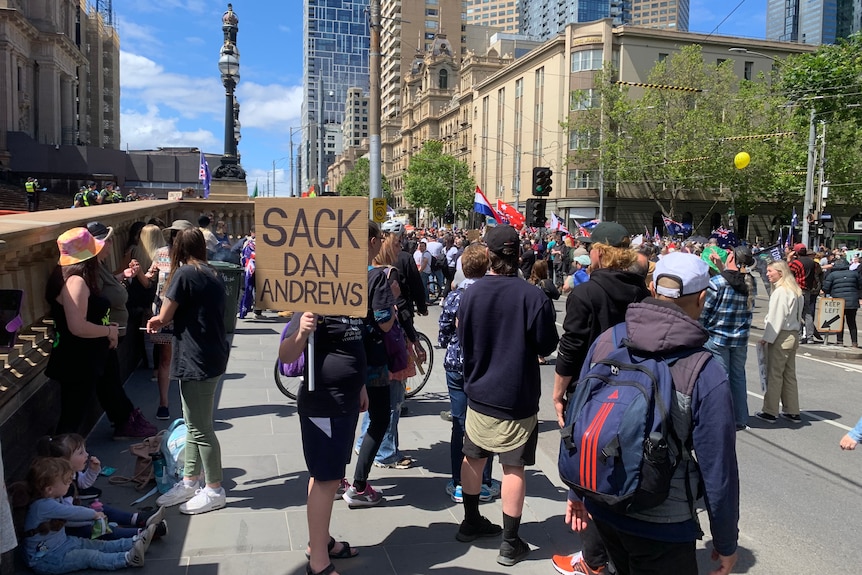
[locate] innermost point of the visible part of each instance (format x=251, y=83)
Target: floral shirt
x=448, y=336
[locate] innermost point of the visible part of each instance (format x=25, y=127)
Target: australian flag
x=204, y=175
x=673, y=228
x=725, y=237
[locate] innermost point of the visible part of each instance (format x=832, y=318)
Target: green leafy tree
x=828, y=82
x=675, y=143
x=356, y=182
x=431, y=178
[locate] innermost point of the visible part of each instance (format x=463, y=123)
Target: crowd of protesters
x=704, y=291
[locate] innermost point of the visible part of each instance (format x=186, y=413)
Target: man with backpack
x=639, y=490
x=591, y=308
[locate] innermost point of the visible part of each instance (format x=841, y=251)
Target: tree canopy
x=356, y=181
x=431, y=178
x=680, y=137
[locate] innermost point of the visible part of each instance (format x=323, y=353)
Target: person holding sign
x=379, y=320
x=327, y=418
x=844, y=283
x=781, y=336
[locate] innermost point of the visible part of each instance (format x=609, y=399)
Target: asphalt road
x=801, y=496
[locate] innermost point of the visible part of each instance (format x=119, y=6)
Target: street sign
x=830, y=315
x=378, y=210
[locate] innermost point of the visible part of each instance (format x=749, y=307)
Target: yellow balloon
x=741, y=160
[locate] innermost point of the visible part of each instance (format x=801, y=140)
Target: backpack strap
x=684, y=371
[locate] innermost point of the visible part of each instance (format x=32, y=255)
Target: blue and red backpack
x=618, y=446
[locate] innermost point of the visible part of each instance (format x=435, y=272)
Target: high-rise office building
x=410, y=27
x=501, y=14
x=812, y=21
x=670, y=14
x=336, y=39
x=544, y=19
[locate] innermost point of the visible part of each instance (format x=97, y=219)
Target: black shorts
x=518, y=457
x=326, y=444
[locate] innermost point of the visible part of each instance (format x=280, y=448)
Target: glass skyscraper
x=335, y=36
x=544, y=19
x=812, y=21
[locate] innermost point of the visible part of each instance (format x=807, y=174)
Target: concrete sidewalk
x=263, y=528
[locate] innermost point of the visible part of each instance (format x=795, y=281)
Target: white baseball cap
x=688, y=270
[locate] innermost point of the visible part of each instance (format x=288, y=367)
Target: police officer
x=32, y=194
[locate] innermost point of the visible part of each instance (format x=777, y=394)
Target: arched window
x=443, y=80
x=658, y=223
x=714, y=221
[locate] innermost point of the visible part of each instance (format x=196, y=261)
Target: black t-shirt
x=78, y=358
x=200, y=341
x=339, y=357
x=380, y=302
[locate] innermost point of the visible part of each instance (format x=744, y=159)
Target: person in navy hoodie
x=504, y=326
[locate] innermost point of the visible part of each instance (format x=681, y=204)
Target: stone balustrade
x=28, y=252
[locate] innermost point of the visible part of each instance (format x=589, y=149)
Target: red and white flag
x=516, y=218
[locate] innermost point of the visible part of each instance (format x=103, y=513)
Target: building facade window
x=586, y=60
x=443, y=80
x=580, y=179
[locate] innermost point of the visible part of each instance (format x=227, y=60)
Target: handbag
x=395, y=343
x=295, y=368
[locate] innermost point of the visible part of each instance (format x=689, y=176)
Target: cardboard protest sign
x=312, y=254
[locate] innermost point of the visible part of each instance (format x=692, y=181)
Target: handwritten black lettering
x=267, y=224
x=301, y=223
x=318, y=228
x=291, y=264
x=344, y=228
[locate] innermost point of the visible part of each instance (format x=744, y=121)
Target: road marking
x=811, y=415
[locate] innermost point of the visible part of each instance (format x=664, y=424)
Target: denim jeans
x=458, y=407
x=425, y=276
x=114, y=515
x=77, y=553
x=732, y=359
x=388, y=450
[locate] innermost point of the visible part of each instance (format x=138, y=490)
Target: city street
x=800, y=492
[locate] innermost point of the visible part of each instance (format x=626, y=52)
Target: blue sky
x=171, y=94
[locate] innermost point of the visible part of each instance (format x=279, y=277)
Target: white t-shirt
x=435, y=248
x=423, y=260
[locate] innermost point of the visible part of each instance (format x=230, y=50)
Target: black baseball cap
x=610, y=233
x=502, y=240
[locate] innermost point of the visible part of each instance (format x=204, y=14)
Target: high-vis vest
x=30, y=187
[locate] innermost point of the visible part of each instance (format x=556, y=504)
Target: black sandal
x=326, y=570
x=346, y=552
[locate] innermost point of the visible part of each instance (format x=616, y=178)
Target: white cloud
x=149, y=130
x=271, y=107
x=144, y=80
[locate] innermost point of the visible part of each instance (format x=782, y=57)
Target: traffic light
x=542, y=181
x=536, y=213
x=449, y=216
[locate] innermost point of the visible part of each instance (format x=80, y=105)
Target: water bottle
x=655, y=448
x=159, y=472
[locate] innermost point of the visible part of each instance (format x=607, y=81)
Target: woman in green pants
x=195, y=302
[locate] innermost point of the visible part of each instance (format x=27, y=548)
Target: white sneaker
x=145, y=537
x=135, y=555
x=205, y=500
x=179, y=493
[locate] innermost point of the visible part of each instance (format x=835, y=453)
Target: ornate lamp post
x=228, y=65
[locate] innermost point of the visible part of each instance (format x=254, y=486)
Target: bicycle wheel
x=433, y=290
x=414, y=385
x=289, y=386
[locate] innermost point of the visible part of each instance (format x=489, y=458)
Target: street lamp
x=739, y=50
x=228, y=65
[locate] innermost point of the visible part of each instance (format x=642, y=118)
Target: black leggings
x=76, y=395
x=850, y=320
x=378, y=412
